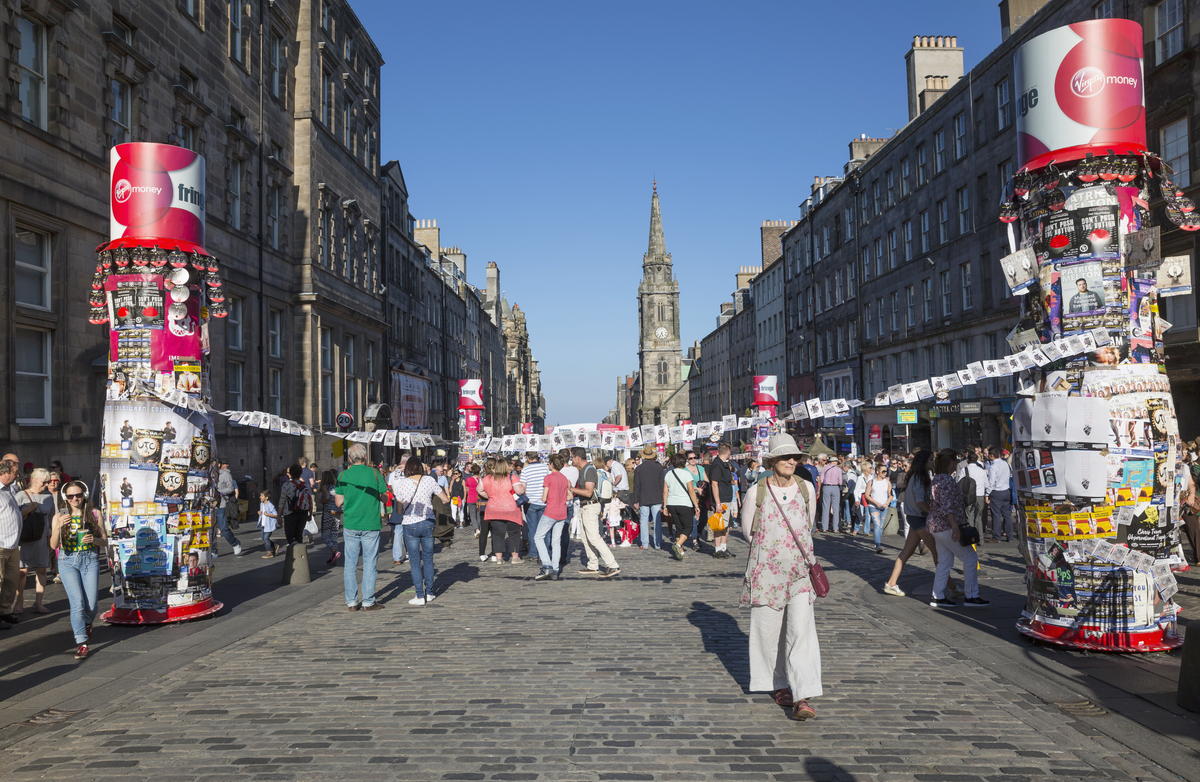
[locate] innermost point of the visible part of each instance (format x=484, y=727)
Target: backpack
x=604, y=487
x=302, y=500
x=970, y=491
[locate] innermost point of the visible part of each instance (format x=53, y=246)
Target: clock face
x=660, y=332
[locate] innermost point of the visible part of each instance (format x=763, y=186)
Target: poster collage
x=157, y=461
x=1097, y=458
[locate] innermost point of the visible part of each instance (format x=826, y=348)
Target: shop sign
x=906, y=416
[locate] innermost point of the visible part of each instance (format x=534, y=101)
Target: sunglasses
x=73, y=496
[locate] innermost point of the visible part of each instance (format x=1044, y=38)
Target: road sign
x=344, y=420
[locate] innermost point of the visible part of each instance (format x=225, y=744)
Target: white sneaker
x=483, y=558
x=626, y=544
x=893, y=589
x=417, y=601
x=429, y=597
x=237, y=550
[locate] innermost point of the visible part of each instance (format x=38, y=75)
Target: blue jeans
x=267, y=544
x=418, y=539
x=366, y=543
x=533, y=517
x=645, y=514
x=223, y=527
x=80, y=573
x=552, y=529
x=397, y=541
x=876, y=521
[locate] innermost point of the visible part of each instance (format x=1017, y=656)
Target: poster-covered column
x=470, y=401
x=156, y=287
x=1096, y=451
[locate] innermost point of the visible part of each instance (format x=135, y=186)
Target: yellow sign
x=906, y=416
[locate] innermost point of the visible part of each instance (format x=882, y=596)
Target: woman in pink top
x=471, y=482
x=500, y=490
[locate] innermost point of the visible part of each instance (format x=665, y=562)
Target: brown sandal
x=783, y=696
x=802, y=711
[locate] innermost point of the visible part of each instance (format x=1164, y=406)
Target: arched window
x=662, y=373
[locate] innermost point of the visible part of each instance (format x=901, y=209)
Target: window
x=960, y=136
x=908, y=240
x=31, y=63
x=964, y=274
x=275, y=333
x=925, y=242
x=943, y=221
x=979, y=111
x=1005, y=172
x=236, y=42
x=850, y=282
x=866, y=261
x=327, y=99
x=275, y=398
x=867, y=322
x=233, y=323
x=927, y=298
x=326, y=16
x=922, y=171
x=348, y=49
x=276, y=65
x=233, y=385
x=964, y=211
x=33, y=269
x=891, y=187
x=1104, y=9
x=876, y=200
x=849, y=220
x=192, y=8
x=347, y=122
x=1168, y=23
x=235, y=193
x=1003, y=106
x=273, y=197
x=840, y=342
x=325, y=231
x=939, y=151
x=186, y=135
x=837, y=296
x=122, y=30
x=348, y=361
x=120, y=112
x=946, y=294
x=910, y=306
x=893, y=250
x=1175, y=151
x=326, y=376
x=905, y=184
x=825, y=245
x=32, y=390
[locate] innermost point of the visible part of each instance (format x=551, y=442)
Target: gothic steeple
x=657, y=251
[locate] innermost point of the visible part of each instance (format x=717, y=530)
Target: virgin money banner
x=470, y=395
x=1079, y=90
x=766, y=390
x=157, y=191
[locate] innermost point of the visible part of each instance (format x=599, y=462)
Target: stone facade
x=722, y=380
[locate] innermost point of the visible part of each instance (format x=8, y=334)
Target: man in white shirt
x=534, y=476
x=620, y=478
x=999, y=495
x=975, y=510
x=10, y=542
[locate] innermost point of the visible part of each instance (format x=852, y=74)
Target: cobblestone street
x=639, y=678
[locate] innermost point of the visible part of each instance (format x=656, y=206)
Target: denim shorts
x=917, y=522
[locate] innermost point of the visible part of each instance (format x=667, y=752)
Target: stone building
x=662, y=394
x=767, y=291
x=722, y=378
x=282, y=100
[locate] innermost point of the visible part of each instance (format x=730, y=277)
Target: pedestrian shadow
x=723, y=637
x=825, y=770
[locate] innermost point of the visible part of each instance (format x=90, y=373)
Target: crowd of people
x=530, y=509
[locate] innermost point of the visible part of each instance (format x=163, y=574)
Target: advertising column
x=470, y=400
x=1096, y=448
x=156, y=288
x=766, y=394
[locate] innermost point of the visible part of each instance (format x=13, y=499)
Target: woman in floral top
x=946, y=515
x=777, y=589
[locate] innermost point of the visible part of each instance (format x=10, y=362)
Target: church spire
x=658, y=245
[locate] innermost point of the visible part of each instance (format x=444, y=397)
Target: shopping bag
x=716, y=522
x=891, y=521
x=310, y=527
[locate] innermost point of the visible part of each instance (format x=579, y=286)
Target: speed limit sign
x=344, y=420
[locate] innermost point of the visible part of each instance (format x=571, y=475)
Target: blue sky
x=532, y=131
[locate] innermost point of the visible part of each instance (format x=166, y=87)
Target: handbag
x=816, y=574
x=967, y=535
x=33, y=526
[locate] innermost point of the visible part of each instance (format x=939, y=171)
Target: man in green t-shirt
x=360, y=493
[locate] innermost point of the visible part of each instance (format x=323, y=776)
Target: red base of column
x=125, y=616
x=1096, y=640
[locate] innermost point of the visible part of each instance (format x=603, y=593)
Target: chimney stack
x=934, y=65
x=1014, y=13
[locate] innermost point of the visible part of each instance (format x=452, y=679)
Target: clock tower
x=663, y=396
